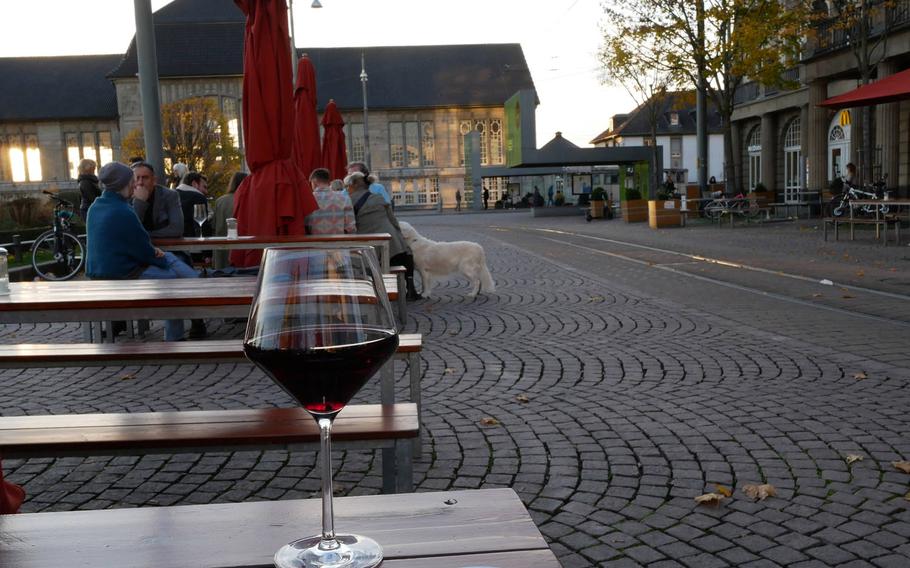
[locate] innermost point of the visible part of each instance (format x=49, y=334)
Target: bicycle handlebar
x=58, y=199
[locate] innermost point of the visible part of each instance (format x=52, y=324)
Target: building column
x=769, y=151
x=887, y=129
x=737, y=157
x=817, y=153
x=804, y=144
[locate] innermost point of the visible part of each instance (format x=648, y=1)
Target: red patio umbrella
x=334, y=152
x=11, y=496
x=307, y=154
x=275, y=198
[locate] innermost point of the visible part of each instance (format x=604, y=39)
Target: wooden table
x=116, y=300
x=897, y=204
x=488, y=527
x=190, y=244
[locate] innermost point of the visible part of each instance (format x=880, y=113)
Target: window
x=229, y=109
x=481, y=126
x=24, y=158
x=496, y=186
x=491, y=139
x=94, y=146
x=676, y=153
x=496, y=141
x=754, y=149
x=396, y=145
x=412, y=144
x=464, y=128
x=674, y=119
x=354, y=136
x=792, y=162
x=428, y=143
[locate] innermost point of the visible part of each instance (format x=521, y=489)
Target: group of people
x=125, y=207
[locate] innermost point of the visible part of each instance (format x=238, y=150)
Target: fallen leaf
x=892, y=269
x=760, y=492
x=847, y=297
x=816, y=295
x=723, y=491
x=907, y=496
x=522, y=398
x=861, y=273
x=902, y=465
x=488, y=421
x=860, y=376
x=709, y=499
x=853, y=458
x=449, y=371
x=596, y=299
x=128, y=377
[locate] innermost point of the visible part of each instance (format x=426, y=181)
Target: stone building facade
x=422, y=101
x=787, y=142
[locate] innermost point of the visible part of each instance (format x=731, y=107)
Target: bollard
x=17, y=247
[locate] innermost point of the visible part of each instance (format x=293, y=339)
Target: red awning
x=892, y=88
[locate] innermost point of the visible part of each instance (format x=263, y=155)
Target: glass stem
x=328, y=516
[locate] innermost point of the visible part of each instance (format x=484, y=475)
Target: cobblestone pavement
x=647, y=382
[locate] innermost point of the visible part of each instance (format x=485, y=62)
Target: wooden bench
x=881, y=225
x=399, y=272
x=44, y=355
x=389, y=426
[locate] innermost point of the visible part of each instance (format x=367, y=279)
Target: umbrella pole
x=293, y=44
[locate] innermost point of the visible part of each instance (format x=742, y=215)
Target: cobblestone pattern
x=629, y=416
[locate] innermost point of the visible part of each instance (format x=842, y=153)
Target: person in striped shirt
x=335, y=215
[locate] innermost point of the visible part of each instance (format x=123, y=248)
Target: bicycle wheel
x=838, y=206
x=57, y=263
x=713, y=209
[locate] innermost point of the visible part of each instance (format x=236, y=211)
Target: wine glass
x=201, y=214
x=321, y=325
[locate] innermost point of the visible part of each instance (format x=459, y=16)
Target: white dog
x=436, y=260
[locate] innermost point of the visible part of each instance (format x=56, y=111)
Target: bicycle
x=740, y=205
x=840, y=203
x=58, y=254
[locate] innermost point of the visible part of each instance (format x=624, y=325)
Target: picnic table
x=487, y=527
x=880, y=219
x=191, y=244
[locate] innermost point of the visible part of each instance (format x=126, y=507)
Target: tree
x=648, y=87
x=713, y=44
x=194, y=132
x=864, y=27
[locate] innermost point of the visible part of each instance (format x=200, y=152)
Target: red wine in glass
x=323, y=377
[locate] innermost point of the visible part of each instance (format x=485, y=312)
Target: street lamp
x=366, y=127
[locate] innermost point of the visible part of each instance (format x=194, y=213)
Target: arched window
x=754, y=149
x=793, y=157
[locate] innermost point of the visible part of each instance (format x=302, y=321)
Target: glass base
x=354, y=551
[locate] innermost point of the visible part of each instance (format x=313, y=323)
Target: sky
x=560, y=40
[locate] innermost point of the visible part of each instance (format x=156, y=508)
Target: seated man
x=335, y=215
x=157, y=207
x=119, y=248
x=193, y=190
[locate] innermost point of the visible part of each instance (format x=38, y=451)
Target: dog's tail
x=486, y=280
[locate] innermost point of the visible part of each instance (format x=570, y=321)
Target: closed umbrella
x=334, y=152
x=275, y=198
x=307, y=154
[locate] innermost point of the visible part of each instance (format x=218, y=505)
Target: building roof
x=561, y=152
x=682, y=103
x=205, y=38
x=57, y=88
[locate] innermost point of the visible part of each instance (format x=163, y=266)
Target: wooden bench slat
x=27, y=436
x=156, y=352
x=487, y=527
